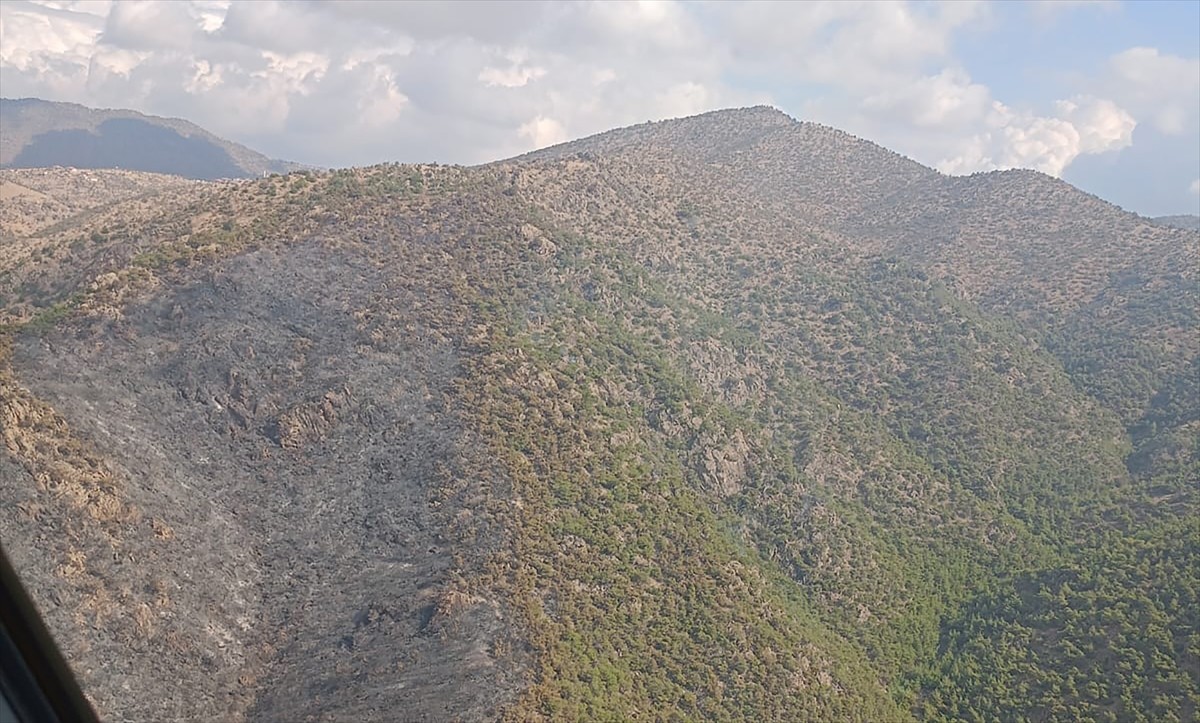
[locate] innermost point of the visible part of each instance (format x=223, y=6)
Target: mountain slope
x=1185, y=221
x=38, y=133
x=1125, y=329
x=36, y=199
x=729, y=417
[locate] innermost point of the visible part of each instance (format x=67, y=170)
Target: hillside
x=34, y=199
x=1186, y=221
x=728, y=417
x=38, y=134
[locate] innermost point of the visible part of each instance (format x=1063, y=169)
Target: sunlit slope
x=709, y=418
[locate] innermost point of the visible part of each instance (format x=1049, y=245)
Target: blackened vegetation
x=724, y=418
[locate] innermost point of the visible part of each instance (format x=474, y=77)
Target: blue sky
x=1043, y=62
x=1104, y=94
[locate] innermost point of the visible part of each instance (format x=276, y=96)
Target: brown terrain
x=728, y=417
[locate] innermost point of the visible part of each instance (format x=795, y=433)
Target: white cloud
x=49, y=44
x=867, y=47
x=210, y=14
x=661, y=23
x=116, y=61
x=1102, y=124
x=205, y=77
x=144, y=25
x=543, y=131
x=93, y=7
x=384, y=103
x=295, y=73
x=684, y=99
x=1020, y=139
x=1194, y=188
x=358, y=81
x=515, y=75
x=603, y=75
x=946, y=100
x=489, y=22
x=962, y=128
x=1164, y=89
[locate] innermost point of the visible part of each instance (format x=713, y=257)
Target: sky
x=1104, y=94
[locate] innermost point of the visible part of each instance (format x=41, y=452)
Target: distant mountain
x=729, y=417
x=1190, y=222
x=37, y=133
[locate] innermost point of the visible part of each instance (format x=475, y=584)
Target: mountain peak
x=764, y=114
x=40, y=133
x=727, y=124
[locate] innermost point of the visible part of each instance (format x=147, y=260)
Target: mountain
x=726, y=417
x=35, y=199
x=38, y=133
x=1185, y=221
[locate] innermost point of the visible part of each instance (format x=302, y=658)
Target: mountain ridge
x=670, y=428
x=1189, y=222
x=40, y=133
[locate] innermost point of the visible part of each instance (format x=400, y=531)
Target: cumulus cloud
x=1049, y=144
x=861, y=45
x=1163, y=88
x=356, y=82
x=543, y=131
x=50, y=45
x=153, y=26
x=514, y=73
x=359, y=81
x=1102, y=124
x=1194, y=188
x=946, y=100
x=951, y=114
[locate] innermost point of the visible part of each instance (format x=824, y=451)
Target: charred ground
x=727, y=417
